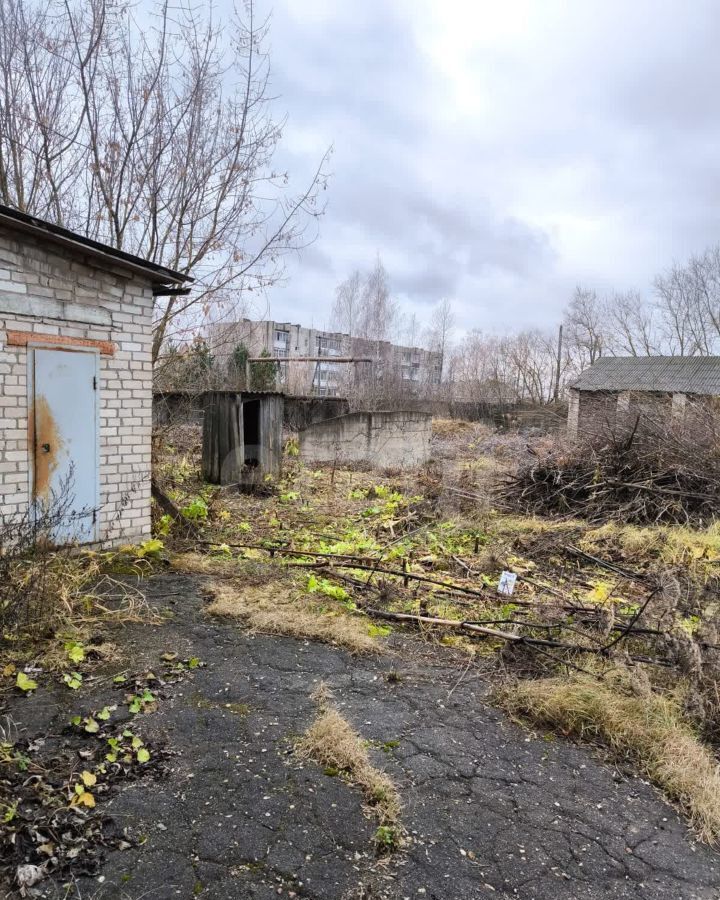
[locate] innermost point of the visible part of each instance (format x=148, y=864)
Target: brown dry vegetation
x=647, y=728
x=268, y=601
x=450, y=427
x=332, y=742
x=52, y=597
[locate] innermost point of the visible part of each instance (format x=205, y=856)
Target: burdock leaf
x=24, y=683
x=75, y=652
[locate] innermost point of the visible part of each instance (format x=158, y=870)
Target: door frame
x=32, y=346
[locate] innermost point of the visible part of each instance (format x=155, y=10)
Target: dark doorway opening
x=251, y=433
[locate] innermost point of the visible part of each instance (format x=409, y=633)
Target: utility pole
x=559, y=361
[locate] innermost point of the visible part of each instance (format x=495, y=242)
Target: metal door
x=63, y=430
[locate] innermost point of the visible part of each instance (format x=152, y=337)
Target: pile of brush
x=653, y=477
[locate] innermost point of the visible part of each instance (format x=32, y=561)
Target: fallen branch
x=508, y=636
x=170, y=509
x=628, y=630
x=611, y=567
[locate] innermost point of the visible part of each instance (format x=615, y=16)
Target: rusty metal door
x=64, y=446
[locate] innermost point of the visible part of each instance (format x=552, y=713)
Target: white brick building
x=76, y=379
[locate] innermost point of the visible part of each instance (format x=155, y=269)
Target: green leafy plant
x=139, y=702
x=196, y=510
x=24, y=683
x=150, y=549
x=222, y=550
x=9, y=811
x=164, y=525
x=317, y=585
x=75, y=651
x=73, y=680
x=379, y=630
x=387, y=838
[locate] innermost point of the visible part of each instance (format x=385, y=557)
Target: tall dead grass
x=647, y=728
x=332, y=742
x=450, y=427
x=268, y=601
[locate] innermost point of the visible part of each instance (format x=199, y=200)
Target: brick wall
x=48, y=292
x=595, y=416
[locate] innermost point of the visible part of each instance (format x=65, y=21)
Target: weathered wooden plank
x=222, y=460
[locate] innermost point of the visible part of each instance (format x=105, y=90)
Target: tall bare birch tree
x=442, y=325
x=346, y=308
x=152, y=129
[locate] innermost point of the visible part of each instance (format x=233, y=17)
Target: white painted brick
x=11, y=287
x=97, y=305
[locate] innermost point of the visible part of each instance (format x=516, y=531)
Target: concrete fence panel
x=395, y=439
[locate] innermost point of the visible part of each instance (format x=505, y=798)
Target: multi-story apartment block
x=409, y=367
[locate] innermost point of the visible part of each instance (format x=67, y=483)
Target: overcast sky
x=499, y=153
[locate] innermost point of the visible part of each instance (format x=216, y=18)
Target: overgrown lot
x=609, y=625
x=610, y=636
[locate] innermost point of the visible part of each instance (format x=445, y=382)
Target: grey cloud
x=594, y=157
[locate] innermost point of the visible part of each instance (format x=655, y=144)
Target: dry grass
x=264, y=610
x=449, y=427
x=276, y=606
x=72, y=596
x=332, y=742
x=696, y=549
x=648, y=728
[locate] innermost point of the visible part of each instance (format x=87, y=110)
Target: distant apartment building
x=410, y=368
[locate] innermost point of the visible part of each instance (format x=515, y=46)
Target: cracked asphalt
x=491, y=810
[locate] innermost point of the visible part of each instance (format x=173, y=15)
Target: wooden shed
x=242, y=437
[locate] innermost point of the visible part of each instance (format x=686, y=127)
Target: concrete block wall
x=45, y=291
x=383, y=439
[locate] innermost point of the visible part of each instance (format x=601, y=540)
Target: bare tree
x=155, y=136
x=586, y=323
x=379, y=312
x=411, y=330
x=704, y=272
x=442, y=326
x=347, y=306
x=677, y=311
x=633, y=325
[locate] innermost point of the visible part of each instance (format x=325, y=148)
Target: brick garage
x=643, y=394
x=76, y=379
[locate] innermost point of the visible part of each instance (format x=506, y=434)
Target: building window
x=328, y=346
x=281, y=338
x=411, y=373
